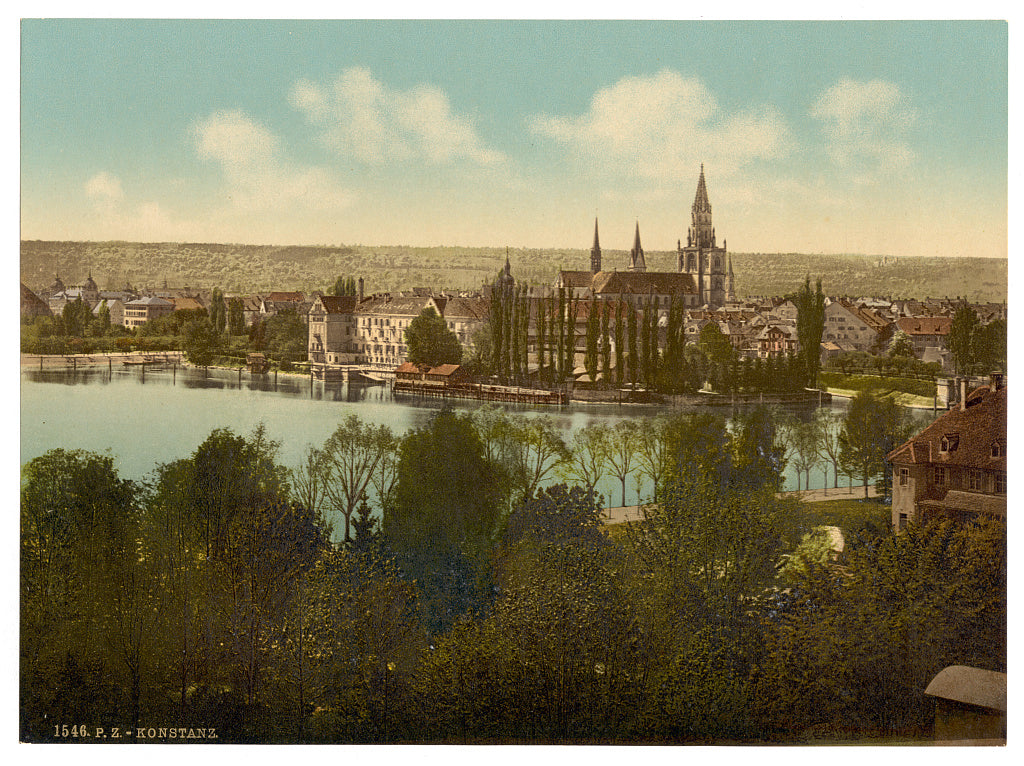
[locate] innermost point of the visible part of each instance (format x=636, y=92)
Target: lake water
x=162, y=415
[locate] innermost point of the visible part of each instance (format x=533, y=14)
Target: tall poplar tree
x=606, y=348
x=541, y=336
x=619, y=355
x=593, y=327
x=570, y=325
x=633, y=355
x=560, y=335
x=810, y=324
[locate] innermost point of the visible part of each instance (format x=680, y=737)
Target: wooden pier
x=480, y=391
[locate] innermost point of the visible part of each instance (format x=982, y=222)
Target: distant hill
x=261, y=268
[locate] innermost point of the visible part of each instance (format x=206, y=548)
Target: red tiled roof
x=643, y=283
x=443, y=369
x=338, y=304
x=576, y=279
x=977, y=427
x=925, y=325
x=285, y=297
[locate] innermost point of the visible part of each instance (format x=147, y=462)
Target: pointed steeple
x=701, y=233
x=505, y=279
x=595, y=252
x=636, y=255
x=700, y=201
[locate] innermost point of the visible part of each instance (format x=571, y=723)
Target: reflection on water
x=147, y=416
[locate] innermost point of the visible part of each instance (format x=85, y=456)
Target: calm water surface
x=147, y=419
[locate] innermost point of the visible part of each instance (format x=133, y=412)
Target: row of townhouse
x=346, y=330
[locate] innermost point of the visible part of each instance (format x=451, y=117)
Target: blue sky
x=827, y=137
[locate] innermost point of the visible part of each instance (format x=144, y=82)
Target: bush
x=876, y=383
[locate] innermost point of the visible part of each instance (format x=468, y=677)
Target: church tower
x=636, y=255
x=595, y=253
x=702, y=257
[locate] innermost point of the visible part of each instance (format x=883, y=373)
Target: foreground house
x=956, y=467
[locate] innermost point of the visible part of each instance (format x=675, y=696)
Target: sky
x=815, y=137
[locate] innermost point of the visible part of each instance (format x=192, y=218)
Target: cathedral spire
x=636, y=255
x=700, y=201
x=595, y=252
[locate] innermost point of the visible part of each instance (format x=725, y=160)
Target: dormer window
x=949, y=443
x=998, y=449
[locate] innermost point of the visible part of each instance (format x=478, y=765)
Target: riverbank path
x=632, y=512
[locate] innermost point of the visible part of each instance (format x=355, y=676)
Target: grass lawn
x=849, y=515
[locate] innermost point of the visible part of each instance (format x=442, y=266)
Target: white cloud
x=105, y=191
x=865, y=124
x=259, y=177
x=654, y=128
x=124, y=219
x=362, y=118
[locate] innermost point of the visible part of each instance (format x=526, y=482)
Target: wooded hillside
x=257, y=268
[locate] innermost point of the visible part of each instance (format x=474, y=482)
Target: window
x=998, y=449
x=973, y=480
x=903, y=521
x=1000, y=483
x=949, y=443
x=940, y=476
x=904, y=477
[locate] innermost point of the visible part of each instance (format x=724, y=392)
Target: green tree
x=606, y=346
x=268, y=547
x=990, y=346
x=351, y=457
x=362, y=642
x=236, y=317
x=620, y=364
x=804, y=437
x=534, y=451
x=104, y=318
x=715, y=346
x=218, y=311
x=634, y=352
x=200, y=342
x=962, y=338
x=286, y=335
x=430, y=342
x=810, y=324
x=344, y=286
x=76, y=317
x=900, y=345
x=590, y=359
x=852, y=653
x=869, y=430
x=623, y=442
x=86, y=624
x=556, y=658
x=588, y=455
x=446, y=509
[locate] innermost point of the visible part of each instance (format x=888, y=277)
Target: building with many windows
x=956, y=467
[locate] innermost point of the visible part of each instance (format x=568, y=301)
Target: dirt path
x=632, y=512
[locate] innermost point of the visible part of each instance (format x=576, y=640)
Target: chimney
x=963, y=394
x=360, y=300
x=995, y=381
